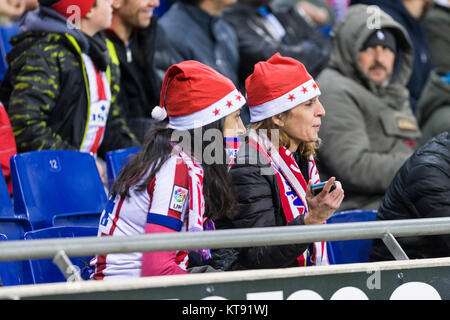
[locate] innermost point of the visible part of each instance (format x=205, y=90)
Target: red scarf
x=292, y=189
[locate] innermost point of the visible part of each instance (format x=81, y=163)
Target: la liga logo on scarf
x=232, y=145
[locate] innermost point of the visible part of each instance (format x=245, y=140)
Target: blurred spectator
x=409, y=13
x=61, y=86
x=318, y=12
x=136, y=35
x=419, y=190
x=339, y=7
x=264, y=30
x=11, y=9
x=437, y=25
x=198, y=32
x=369, y=130
x=433, y=109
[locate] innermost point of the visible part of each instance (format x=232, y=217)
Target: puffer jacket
x=45, y=90
x=419, y=190
x=368, y=131
x=259, y=206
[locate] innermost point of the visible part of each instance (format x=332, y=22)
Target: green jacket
x=437, y=25
x=433, y=109
x=46, y=93
x=366, y=127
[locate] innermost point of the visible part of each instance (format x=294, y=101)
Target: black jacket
x=142, y=66
x=260, y=206
x=419, y=190
x=258, y=42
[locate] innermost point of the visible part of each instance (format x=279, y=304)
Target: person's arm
x=256, y=210
x=159, y=263
x=32, y=100
x=164, y=217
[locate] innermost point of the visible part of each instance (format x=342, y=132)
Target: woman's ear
x=278, y=120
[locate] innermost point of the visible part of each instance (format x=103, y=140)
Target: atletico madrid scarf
x=98, y=110
x=292, y=189
x=197, y=221
x=232, y=145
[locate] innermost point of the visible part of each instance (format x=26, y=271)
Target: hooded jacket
x=46, y=90
x=419, y=190
x=368, y=130
x=422, y=64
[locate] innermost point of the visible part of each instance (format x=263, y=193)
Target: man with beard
x=410, y=14
x=369, y=130
x=144, y=56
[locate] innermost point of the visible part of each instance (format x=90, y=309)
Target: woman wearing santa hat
x=171, y=186
x=275, y=168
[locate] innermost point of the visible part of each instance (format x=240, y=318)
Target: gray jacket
x=368, y=130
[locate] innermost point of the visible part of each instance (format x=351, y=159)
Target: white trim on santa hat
x=228, y=104
x=293, y=98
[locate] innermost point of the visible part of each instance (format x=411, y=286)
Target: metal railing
x=233, y=238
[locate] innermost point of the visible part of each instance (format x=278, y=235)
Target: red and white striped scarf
x=292, y=187
x=100, y=101
x=196, y=218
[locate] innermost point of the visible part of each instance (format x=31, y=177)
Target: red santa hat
x=194, y=95
x=277, y=85
x=65, y=7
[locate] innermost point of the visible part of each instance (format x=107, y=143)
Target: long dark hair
x=217, y=187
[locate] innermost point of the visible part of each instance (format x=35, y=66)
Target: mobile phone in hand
x=317, y=188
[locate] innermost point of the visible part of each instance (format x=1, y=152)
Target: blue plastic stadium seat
x=6, y=206
x=6, y=32
x=350, y=251
x=44, y=270
x=57, y=187
x=14, y=272
x=116, y=160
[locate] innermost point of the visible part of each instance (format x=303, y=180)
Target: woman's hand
x=322, y=206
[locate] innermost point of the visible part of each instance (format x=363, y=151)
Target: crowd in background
x=383, y=73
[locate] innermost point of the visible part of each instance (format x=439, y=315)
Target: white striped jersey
x=165, y=202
